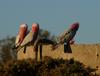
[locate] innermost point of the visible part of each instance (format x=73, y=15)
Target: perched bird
x=67, y=36
x=23, y=30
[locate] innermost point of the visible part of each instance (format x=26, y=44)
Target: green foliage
x=44, y=33
x=48, y=67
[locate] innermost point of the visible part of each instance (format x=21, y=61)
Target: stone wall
x=89, y=54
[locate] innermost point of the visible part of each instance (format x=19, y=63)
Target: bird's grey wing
x=17, y=39
x=27, y=39
x=61, y=37
x=17, y=43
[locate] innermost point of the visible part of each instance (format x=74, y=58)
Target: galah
x=67, y=35
x=23, y=30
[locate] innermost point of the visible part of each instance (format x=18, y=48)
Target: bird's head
x=74, y=26
x=35, y=27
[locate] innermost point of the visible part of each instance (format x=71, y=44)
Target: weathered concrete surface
x=89, y=54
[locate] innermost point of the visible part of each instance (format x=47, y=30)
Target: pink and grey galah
x=23, y=30
x=67, y=36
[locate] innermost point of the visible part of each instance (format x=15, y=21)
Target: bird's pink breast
x=22, y=33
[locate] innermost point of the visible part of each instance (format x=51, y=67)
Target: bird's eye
x=68, y=32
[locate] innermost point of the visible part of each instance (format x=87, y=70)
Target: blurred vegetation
x=48, y=67
x=6, y=53
x=46, y=34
